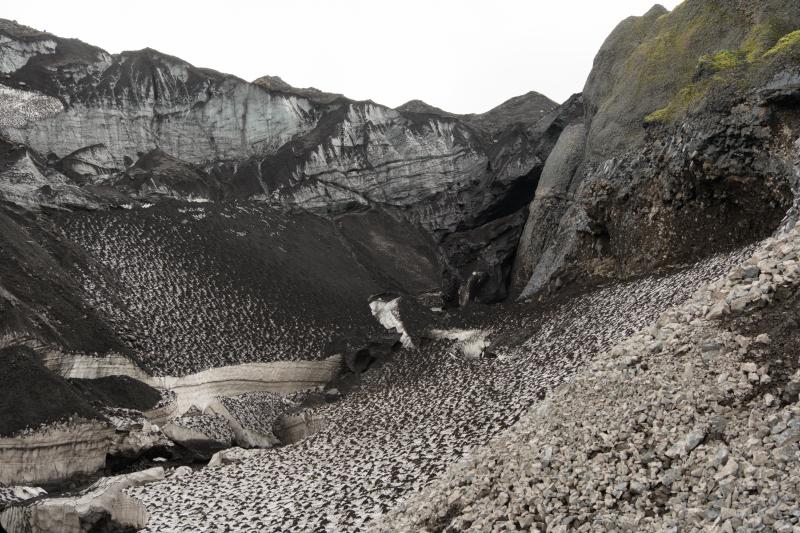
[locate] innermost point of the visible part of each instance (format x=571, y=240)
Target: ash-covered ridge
x=151, y=126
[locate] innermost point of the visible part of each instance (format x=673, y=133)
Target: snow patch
x=389, y=317
x=471, y=343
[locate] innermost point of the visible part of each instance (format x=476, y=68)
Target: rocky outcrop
x=541, y=252
x=680, y=155
x=28, y=182
x=139, y=101
x=276, y=84
x=646, y=61
x=134, y=437
x=525, y=110
x=539, y=248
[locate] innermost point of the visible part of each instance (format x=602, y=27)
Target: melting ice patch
x=389, y=317
x=471, y=343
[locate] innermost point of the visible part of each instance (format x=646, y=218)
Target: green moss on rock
x=787, y=42
x=762, y=37
x=664, y=64
x=722, y=60
x=680, y=104
x=761, y=43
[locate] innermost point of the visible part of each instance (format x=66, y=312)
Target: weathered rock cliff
x=151, y=125
x=686, y=149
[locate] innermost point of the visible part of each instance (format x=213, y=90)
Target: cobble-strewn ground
x=691, y=424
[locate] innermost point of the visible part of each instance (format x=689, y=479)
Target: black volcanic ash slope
x=197, y=286
x=32, y=396
x=40, y=291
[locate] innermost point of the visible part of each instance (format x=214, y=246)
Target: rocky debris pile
x=683, y=426
x=422, y=411
x=135, y=434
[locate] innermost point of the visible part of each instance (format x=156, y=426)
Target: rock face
x=536, y=259
x=646, y=61
x=679, y=154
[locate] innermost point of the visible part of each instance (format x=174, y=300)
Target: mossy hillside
x=647, y=60
x=680, y=103
x=763, y=36
x=666, y=59
x=747, y=68
x=722, y=60
x=787, y=43
x=664, y=63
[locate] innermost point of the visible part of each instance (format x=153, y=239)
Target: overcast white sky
x=461, y=55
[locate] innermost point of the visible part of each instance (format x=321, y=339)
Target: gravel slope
x=688, y=425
